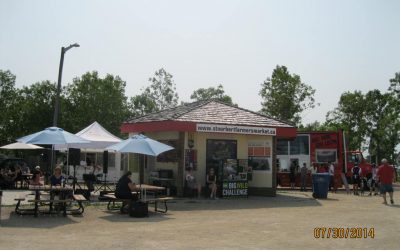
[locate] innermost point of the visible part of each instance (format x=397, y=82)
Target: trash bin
x=320, y=185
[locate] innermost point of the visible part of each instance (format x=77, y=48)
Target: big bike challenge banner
x=235, y=189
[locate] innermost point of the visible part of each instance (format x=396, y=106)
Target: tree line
x=370, y=118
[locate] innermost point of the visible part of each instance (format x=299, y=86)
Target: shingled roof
x=211, y=111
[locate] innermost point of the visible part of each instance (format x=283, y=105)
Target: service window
x=259, y=163
x=299, y=146
x=325, y=155
x=282, y=147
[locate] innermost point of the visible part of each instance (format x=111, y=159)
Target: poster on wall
x=191, y=159
x=244, y=169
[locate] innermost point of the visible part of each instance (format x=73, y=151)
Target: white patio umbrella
x=52, y=136
x=20, y=145
x=140, y=144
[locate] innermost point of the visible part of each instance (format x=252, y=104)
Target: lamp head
x=71, y=46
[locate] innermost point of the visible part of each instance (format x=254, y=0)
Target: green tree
x=36, y=107
x=162, y=90
x=395, y=84
x=142, y=104
x=8, y=96
x=92, y=98
x=161, y=94
x=376, y=110
x=285, y=96
x=318, y=126
x=383, y=124
x=350, y=116
x=217, y=93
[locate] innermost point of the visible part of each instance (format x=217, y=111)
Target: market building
x=239, y=144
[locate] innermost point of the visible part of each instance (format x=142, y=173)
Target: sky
x=334, y=46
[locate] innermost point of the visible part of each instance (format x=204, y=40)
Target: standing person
x=331, y=171
x=303, y=172
x=356, y=171
x=212, y=183
x=292, y=175
x=374, y=180
x=192, y=182
x=386, y=177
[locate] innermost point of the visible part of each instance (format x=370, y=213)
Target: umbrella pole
x=52, y=158
x=68, y=160
x=138, y=157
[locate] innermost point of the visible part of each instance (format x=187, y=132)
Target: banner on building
x=233, y=129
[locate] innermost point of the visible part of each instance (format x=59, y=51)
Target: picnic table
x=45, y=195
x=144, y=188
x=143, y=191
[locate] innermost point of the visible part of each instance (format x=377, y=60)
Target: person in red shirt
x=385, y=176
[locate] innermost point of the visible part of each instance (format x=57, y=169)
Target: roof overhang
x=183, y=126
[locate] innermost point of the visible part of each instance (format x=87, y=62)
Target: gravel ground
x=283, y=222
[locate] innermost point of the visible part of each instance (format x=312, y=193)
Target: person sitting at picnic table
x=25, y=169
x=5, y=180
x=36, y=175
x=192, y=183
x=124, y=190
x=212, y=183
x=15, y=175
x=57, y=178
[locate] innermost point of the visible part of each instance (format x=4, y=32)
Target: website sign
x=233, y=129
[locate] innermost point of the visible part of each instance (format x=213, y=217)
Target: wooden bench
x=79, y=199
x=112, y=200
x=50, y=203
x=19, y=210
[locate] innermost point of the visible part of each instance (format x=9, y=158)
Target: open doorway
x=217, y=152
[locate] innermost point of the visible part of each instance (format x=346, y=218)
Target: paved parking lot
x=284, y=222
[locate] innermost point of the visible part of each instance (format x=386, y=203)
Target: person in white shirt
x=373, y=181
x=332, y=174
x=192, y=183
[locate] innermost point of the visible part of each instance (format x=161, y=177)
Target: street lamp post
x=57, y=104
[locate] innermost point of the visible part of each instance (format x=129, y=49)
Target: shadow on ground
x=253, y=202
x=42, y=221
x=115, y=216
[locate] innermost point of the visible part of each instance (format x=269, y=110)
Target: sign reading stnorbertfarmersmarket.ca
x=233, y=129
x=233, y=189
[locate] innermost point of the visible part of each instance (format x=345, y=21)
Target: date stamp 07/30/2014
x=344, y=233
